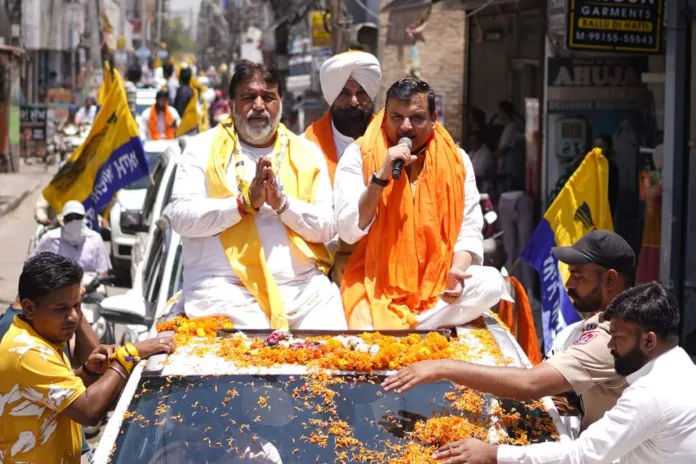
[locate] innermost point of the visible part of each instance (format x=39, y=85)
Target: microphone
x=399, y=164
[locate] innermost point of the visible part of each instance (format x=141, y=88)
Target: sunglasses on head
x=420, y=85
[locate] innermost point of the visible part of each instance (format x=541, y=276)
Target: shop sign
x=33, y=126
x=321, y=38
x=633, y=26
x=589, y=84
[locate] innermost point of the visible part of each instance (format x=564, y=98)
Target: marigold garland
x=367, y=353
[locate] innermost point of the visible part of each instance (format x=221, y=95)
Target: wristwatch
x=376, y=180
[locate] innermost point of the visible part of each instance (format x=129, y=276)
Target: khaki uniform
x=589, y=368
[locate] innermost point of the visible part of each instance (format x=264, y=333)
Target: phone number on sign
x=616, y=38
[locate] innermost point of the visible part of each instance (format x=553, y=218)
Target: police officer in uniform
x=601, y=265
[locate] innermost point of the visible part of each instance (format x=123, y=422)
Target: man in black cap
x=602, y=265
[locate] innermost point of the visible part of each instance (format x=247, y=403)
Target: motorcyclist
x=86, y=114
x=76, y=241
x=71, y=118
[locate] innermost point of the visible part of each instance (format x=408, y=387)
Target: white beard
x=256, y=133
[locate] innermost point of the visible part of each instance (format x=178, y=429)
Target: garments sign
x=321, y=38
x=33, y=126
x=633, y=26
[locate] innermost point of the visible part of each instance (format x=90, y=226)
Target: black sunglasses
x=72, y=217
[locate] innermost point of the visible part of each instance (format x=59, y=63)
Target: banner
x=189, y=120
x=111, y=158
x=580, y=207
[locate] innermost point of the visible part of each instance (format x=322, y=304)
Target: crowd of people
x=366, y=221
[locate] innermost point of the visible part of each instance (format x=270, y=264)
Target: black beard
x=590, y=303
x=630, y=362
x=351, y=122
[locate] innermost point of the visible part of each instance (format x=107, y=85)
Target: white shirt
x=161, y=122
x=349, y=185
x=341, y=142
x=91, y=254
x=208, y=277
x=86, y=116
x=654, y=421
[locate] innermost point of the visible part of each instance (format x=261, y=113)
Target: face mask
x=72, y=232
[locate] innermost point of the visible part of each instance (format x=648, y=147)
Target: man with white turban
x=350, y=82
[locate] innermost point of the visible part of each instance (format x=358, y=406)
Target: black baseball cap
x=602, y=247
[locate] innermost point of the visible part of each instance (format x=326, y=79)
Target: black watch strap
x=376, y=180
x=89, y=372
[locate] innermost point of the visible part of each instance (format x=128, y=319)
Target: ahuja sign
x=633, y=26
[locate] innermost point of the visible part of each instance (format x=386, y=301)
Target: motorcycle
x=493, y=248
x=95, y=293
x=72, y=136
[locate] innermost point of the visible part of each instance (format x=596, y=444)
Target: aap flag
x=580, y=207
x=111, y=158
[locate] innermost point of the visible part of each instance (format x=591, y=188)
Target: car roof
x=158, y=146
x=184, y=363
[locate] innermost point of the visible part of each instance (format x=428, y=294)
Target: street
x=17, y=229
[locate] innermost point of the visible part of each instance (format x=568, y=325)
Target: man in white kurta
x=211, y=286
x=482, y=286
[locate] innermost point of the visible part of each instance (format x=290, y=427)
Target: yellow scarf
x=298, y=174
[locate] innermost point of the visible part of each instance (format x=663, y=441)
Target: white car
x=199, y=406
x=131, y=198
x=141, y=223
x=157, y=278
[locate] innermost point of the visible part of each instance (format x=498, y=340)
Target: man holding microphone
x=406, y=194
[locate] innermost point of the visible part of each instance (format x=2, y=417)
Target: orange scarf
x=400, y=267
x=524, y=330
x=168, y=121
x=321, y=133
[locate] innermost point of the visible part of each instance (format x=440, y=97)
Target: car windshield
x=298, y=419
x=144, y=182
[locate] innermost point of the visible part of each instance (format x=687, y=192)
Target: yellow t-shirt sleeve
x=48, y=380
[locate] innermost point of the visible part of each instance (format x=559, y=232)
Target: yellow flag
x=189, y=120
x=204, y=121
x=111, y=158
x=581, y=206
x=105, y=86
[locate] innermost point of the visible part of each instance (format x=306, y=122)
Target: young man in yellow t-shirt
x=42, y=401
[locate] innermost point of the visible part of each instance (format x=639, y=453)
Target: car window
x=144, y=182
x=287, y=419
x=170, y=188
x=153, y=259
x=177, y=281
x=151, y=195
